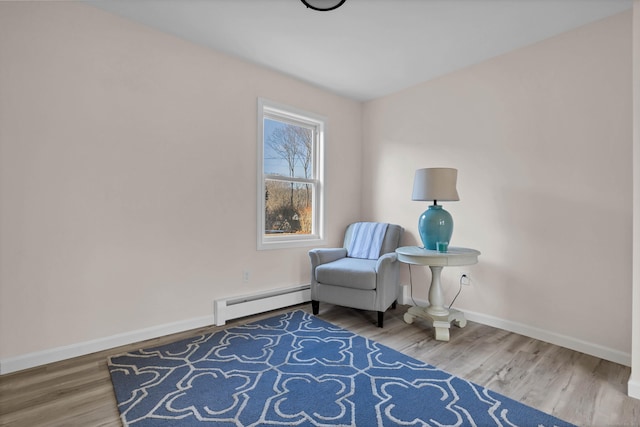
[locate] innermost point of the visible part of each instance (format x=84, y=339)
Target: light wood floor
x=581, y=389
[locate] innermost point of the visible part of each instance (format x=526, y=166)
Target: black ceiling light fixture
x=323, y=5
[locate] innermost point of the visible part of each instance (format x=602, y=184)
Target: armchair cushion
x=353, y=273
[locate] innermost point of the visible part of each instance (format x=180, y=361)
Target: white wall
x=128, y=173
x=634, y=381
x=127, y=178
x=543, y=143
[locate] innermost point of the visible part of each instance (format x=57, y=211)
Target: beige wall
x=634, y=382
x=542, y=140
x=128, y=176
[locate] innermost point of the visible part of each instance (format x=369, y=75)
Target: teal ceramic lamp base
x=435, y=225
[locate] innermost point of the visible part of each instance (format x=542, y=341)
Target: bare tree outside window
x=290, y=147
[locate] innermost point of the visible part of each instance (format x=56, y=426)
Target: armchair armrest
x=388, y=270
x=325, y=255
x=385, y=261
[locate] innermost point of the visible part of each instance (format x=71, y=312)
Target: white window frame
x=285, y=113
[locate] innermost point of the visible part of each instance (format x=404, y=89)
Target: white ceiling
x=366, y=48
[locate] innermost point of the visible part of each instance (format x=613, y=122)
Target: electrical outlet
x=465, y=279
x=246, y=275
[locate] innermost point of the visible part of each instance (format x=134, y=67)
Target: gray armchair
x=346, y=277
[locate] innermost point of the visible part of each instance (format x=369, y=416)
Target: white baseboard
x=552, y=337
x=240, y=306
x=539, y=334
x=31, y=360
x=633, y=389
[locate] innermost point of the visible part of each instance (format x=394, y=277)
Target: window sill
x=278, y=242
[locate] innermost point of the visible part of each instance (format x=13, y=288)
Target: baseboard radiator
x=246, y=305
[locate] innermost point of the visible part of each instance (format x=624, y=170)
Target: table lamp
x=435, y=224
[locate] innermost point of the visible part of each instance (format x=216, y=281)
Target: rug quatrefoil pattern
x=298, y=370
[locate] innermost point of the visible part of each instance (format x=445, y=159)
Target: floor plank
x=576, y=387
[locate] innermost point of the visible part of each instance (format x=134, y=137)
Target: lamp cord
x=411, y=285
x=459, y=290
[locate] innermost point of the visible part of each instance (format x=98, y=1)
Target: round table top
x=453, y=256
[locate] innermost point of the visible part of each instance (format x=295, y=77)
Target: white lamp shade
x=435, y=184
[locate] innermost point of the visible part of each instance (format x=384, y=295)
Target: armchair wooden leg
x=380, y=319
x=315, y=306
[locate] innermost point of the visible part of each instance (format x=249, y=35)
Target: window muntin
x=290, y=205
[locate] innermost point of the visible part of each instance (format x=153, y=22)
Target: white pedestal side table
x=436, y=313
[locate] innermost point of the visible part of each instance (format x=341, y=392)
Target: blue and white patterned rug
x=296, y=369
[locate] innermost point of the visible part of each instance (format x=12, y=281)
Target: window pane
x=288, y=207
x=290, y=164
x=288, y=149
